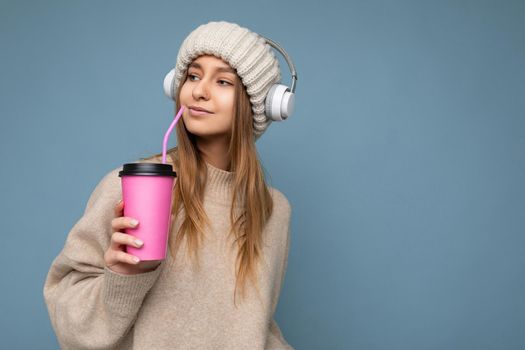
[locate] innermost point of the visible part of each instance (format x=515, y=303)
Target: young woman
x=228, y=247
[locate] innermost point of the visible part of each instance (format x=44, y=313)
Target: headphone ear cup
x=288, y=104
x=168, y=84
x=279, y=103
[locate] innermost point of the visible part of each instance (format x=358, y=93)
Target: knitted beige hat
x=245, y=51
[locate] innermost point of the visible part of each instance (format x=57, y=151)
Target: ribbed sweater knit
x=175, y=306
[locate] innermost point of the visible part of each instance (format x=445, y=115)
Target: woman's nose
x=200, y=90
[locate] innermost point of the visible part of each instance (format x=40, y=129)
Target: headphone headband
x=289, y=61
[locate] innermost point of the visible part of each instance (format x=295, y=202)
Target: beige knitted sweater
x=174, y=306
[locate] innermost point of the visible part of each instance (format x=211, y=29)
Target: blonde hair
x=250, y=192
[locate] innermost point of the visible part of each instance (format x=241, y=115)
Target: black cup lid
x=147, y=169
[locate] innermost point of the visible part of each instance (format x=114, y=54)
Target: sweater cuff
x=123, y=294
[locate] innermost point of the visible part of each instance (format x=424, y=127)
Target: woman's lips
x=197, y=113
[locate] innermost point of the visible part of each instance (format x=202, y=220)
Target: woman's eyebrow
x=226, y=69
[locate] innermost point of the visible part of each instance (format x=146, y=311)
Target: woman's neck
x=215, y=152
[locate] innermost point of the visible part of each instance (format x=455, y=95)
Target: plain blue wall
x=404, y=161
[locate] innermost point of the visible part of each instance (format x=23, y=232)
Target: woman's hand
x=116, y=258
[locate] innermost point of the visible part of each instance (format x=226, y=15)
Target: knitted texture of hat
x=245, y=51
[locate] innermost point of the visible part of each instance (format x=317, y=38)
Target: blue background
x=404, y=161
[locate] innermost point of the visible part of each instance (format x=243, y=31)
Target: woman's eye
x=191, y=76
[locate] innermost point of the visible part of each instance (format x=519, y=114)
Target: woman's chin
x=207, y=134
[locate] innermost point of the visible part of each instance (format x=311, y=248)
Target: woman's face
x=210, y=85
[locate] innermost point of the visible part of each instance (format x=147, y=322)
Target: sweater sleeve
x=278, y=251
x=89, y=305
x=280, y=243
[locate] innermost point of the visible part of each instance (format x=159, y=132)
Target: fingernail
x=134, y=222
x=135, y=259
x=139, y=242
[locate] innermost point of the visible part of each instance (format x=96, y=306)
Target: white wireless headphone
x=280, y=99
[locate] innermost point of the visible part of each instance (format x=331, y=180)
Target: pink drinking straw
x=167, y=135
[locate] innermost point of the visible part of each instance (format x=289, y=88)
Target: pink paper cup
x=147, y=190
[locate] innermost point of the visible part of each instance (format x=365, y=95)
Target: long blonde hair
x=250, y=192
